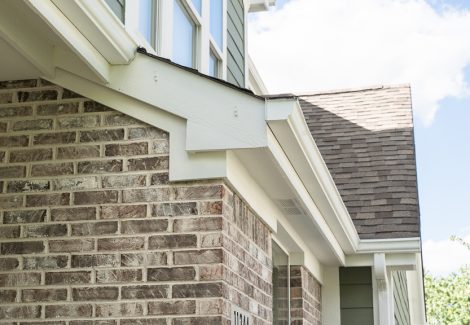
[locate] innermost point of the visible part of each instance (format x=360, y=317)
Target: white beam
x=383, y=289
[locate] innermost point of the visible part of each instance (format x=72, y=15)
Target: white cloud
x=444, y=256
x=326, y=44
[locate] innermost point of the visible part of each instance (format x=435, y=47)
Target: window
x=184, y=35
x=281, y=286
x=198, y=5
x=147, y=20
x=117, y=6
x=213, y=65
x=216, y=20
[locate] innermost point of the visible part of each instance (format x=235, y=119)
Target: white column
x=384, y=304
x=331, y=311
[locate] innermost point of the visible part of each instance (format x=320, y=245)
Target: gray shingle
x=366, y=139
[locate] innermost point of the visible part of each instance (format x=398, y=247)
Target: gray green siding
x=400, y=297
x=236, y=43
x=117, y=6
x=356, y=298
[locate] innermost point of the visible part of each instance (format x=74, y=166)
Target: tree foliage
x=448, y=298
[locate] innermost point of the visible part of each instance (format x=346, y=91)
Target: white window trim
x=204, y=41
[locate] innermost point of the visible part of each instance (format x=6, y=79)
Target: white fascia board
x=95, y=20
x=393, y=245
x=184, y=165
x=71, y=37
x=394, y=261
x=286, y=120
x=255, y=78
x=219, y=116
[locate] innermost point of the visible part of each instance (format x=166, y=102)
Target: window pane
x=146, y=20
x=216, y=21
x=117, y=6
x=184, y=32
x=280, y=286
x=213, y=65
x=198, y=5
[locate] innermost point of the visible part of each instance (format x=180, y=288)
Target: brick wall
x=92, y=232
x=305, y=297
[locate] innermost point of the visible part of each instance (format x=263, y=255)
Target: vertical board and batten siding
x=236, y=43
x=400, y=297
x=118, y=7
x=356, y=298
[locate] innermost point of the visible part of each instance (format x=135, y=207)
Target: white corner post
x=384, y=290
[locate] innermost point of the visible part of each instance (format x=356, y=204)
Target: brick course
x=92, y=232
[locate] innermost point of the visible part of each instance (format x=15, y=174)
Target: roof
x=366, y=139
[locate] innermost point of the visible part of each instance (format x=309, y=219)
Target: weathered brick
x=27, y=247
x=147, y=133
x=172, y=241
x=19, y=312
x=54, y=230
x=2, y=156
x=198, y=224
x=11, y=201
x=146, y=195
x=9, y=232
x=40, y=200
x=94, y=228
x=76, y=277
x=160, y=147
x=12, y=171
x=171, y=274
x=24, y=216
x=203, y=320
x=123, y=181
x=120, y=120
x=95, y=260
x=14, y=141
x=119, y=310
x=36, y=95
x=71, y=245
x=13, y=111
x=145, y=292
x=19, y=279
x=159, y=179
x=102, y=135
x=93, y=322
x=206, y=192
x=197, y=290
x=149, y=163
x=211, y=272
x=3, y=126
x=78, y=152
x=28, y=186
x=99, y=166
x=8, y=263
x=127, y=149
x=212, y=240
x=95, y=294
x=68, y=311
x=157, y=258
x=175, y=209
x=205, y=256
x=66, y=94
x=35, y=295
x=87, y=121
x=143, y=226
x=76, y=183
x=12, y=84
x=52, y=169
x=73, y=214
x=144, y=321
x=6, y=98
x=57, y=109
x=178, y=307
x=95, y=197
x=120, y=244
x=32, y=125
x=211, y=207
x=91, y=107
x=54, y=138
x=30, y=155
x=7, y=296
x=45, y=262
x=132, y=259
x=120, y=276
x=123, y=211
x=43, y=323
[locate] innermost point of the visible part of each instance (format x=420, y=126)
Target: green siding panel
x=400, y=295
x=117, y=6
x=236, y=43
x=356, y=296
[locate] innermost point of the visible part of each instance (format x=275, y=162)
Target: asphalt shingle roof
x=366, y=139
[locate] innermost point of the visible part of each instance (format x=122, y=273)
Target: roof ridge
x=354, y=90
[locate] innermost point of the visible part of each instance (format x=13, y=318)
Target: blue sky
x=310, y=45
